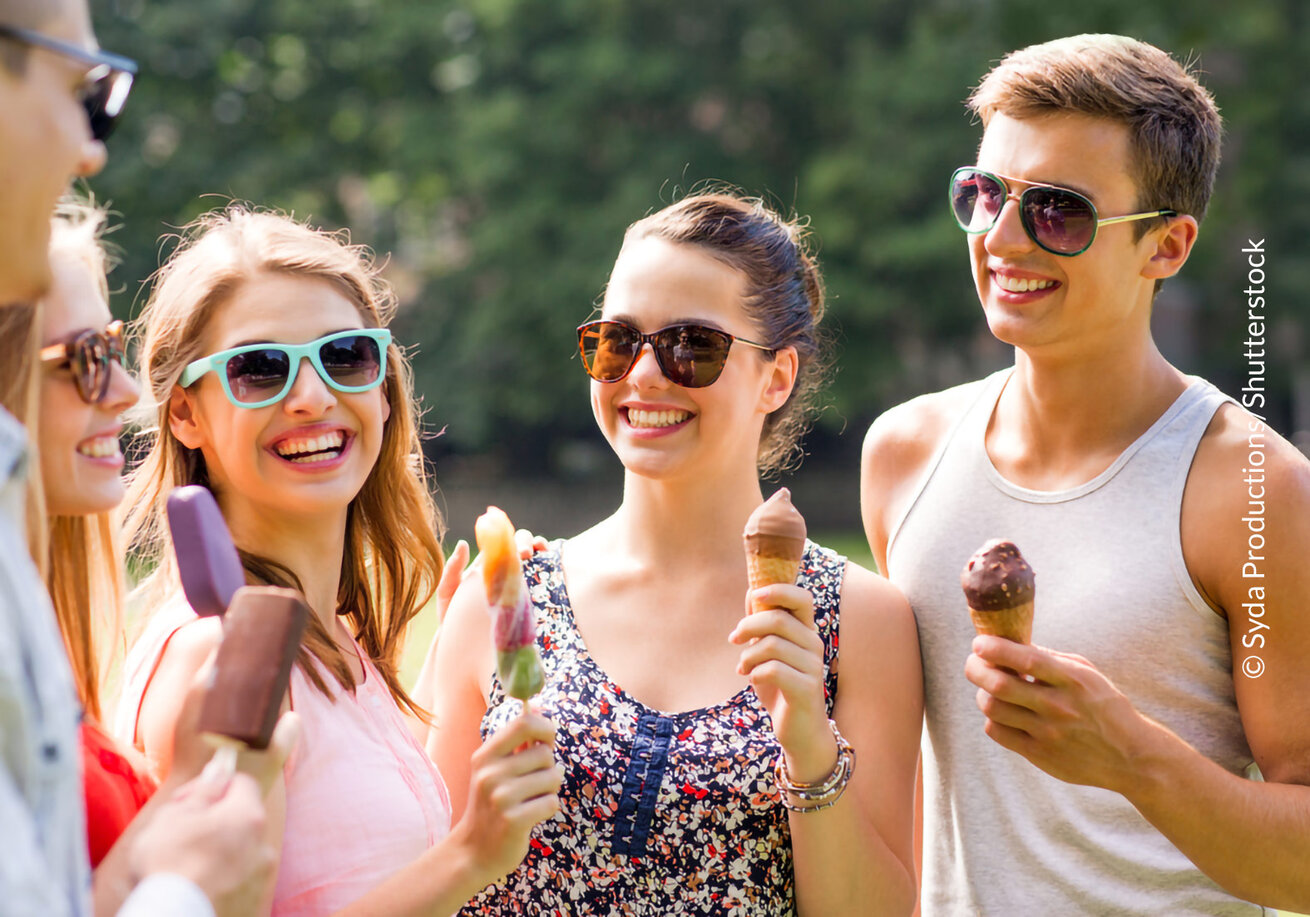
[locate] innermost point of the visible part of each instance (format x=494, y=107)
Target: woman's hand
x=528, y=543
x=457, y=565
x=782, y=655
x=452, y=574
x=514, y=785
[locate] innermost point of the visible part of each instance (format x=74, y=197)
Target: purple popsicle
x=207, y=559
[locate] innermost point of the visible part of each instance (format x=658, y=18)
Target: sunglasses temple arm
x=1108, y=221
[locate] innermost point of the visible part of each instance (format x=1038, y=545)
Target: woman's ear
x=781, y=380
x=182, y=419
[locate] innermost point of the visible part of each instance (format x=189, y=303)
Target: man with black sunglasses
x=1107, y=772
x=45, y=137
x=59, y=97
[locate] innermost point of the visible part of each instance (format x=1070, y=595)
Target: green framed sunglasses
x=257, y=375
x=1060, y=221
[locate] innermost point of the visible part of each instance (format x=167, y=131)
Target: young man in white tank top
x=1167, y=527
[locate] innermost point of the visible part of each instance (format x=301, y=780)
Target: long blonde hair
x=78, y=556
x=392, y=558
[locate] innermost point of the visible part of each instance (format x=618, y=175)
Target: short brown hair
x=784, y=295
x=1173, y=123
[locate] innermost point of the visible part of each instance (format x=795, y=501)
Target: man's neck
x=1061, y=421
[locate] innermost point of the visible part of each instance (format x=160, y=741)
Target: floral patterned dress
x=661, y=813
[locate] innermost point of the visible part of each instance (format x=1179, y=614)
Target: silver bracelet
x=810, y=797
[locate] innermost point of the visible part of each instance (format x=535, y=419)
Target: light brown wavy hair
x=392, y=560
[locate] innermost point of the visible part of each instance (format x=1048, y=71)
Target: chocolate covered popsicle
x=207, y=561
x=518, y=664
x=999, y=587
x=774, y=540
x=261, y=637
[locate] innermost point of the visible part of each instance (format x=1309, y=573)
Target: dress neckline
x=554, y=553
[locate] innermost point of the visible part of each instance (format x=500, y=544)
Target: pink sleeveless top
x=362, y=797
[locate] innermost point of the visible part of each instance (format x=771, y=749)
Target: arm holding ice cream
x=846, y=856
x=1251, y=837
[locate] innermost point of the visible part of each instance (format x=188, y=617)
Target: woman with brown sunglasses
x=73, y=350
x=714, y=762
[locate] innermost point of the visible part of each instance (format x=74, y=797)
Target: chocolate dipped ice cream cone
x=999, y=587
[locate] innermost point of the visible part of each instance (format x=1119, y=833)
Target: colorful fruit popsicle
x=775, y=541
x=999, y=587
x=207, y=561
x=261, y=637
x=515, y=626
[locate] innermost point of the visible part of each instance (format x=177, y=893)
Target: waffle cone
x=1011, y=623
x=766, y=570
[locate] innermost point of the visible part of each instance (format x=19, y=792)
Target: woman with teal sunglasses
x=274, y=384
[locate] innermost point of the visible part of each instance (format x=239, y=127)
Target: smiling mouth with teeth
x=647, y=419
x=1021, y=284
x=100, y=447
x=315, y=449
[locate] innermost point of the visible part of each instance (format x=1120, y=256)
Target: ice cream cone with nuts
x=999, y=587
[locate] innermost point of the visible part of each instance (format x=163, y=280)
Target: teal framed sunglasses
x=257, y=375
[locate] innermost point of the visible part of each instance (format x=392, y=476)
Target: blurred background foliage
x=496, y=149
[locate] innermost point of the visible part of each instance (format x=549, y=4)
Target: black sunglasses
x=90, y=356
x=107, y=82
x=1060, y=221
x=689, y=355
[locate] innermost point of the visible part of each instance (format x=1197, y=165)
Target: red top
x=116, y=789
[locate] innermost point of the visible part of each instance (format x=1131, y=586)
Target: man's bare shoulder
x=897, y=448
x=1247, y=485
x=906, y=436
x=1239, y=439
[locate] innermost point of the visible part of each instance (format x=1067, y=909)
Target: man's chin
x=1004, y=328
x=24, y=274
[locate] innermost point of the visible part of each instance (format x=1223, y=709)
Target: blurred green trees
x=498, y=148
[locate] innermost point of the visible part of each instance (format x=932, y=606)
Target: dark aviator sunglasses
x=1060, y=221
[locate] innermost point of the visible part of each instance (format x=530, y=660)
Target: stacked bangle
x=810, y=797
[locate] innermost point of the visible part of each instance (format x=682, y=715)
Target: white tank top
x=1000, y=836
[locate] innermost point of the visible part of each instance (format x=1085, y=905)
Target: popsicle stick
x=223, y=765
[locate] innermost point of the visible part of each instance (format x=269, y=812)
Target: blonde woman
x=84, y=391
x=275, y=383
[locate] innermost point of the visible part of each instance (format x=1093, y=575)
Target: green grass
x=421, y=630
x=851, y=544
